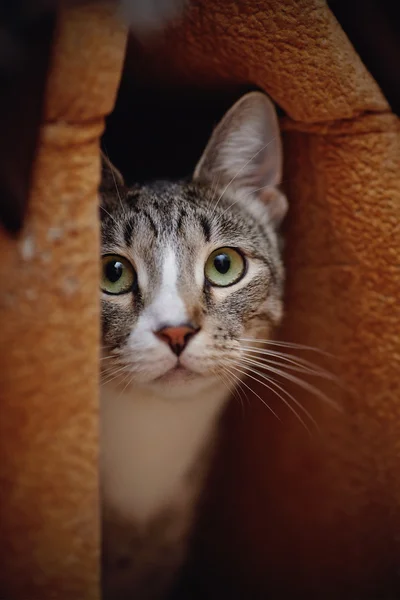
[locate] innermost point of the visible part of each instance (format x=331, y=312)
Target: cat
x=189, y=269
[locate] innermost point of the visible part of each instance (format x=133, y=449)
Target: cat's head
x=192, y=270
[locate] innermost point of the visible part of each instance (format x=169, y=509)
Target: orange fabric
x=289, y=514
x=49, y=334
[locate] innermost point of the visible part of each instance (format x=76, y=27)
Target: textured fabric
x=288, y=514
x=49, y=334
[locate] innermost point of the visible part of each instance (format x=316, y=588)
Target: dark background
x=183, y=119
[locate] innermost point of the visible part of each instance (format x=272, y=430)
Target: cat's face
x=191, y=269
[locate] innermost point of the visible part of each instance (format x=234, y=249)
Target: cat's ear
x=245, y=152
x=111, y=179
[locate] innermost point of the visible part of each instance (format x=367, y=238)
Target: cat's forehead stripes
x=160, y=211
x=183, y=214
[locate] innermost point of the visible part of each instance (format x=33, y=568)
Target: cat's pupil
x=222, y=263
x=114, y=271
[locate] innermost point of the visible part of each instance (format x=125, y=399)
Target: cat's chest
x=149, y=446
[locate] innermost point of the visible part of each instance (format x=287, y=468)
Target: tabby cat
x=190, y=271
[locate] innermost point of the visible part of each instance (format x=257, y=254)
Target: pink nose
x=176, y=337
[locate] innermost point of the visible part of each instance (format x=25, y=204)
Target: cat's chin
x=180, y=381
x=178, y=374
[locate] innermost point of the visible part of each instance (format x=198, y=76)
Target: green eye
x=118, y=276
x=224, y=267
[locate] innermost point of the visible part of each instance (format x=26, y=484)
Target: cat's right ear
x=111, y=179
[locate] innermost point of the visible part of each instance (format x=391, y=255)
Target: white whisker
x=252, y=391
x=115, y=183
x=303, y=384
x=110, y=375
x=214, y=188
x=104, y=382
x=300, y=364
x=230, y=387
x=128, y=383
x=288, y=345
x=107, y=213
x=239, y=382
x=249, y=372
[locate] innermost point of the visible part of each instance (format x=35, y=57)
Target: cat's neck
x=151, y=443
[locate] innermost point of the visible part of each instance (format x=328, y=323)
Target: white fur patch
x=168, y=307
x=149, y=444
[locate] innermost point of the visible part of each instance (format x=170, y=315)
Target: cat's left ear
x=245, y=152
x=111, y=179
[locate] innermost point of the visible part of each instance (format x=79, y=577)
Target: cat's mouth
x=178, y=374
